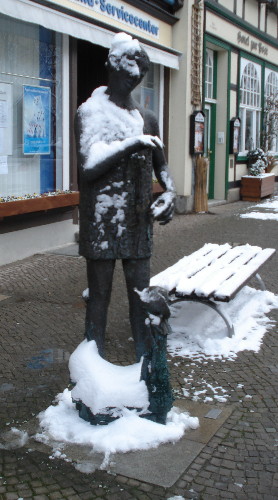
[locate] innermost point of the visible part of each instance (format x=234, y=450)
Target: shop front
x=241, y=78
x=52, y=58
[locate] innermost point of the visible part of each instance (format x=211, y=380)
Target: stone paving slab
x=3, y=297
x=161, y=466
x=70, y=250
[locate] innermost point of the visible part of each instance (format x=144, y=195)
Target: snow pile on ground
x=176, y=497
x=198, y=331
x=62, y=423
x=268, y=210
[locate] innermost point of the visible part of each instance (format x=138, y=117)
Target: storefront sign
x=36, y=120
x=251, y=43
x=230, y=33
x=124, y=14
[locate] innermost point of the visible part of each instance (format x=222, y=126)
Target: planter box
x=45, y=202
x=254, y=188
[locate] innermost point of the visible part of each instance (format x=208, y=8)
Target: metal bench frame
x=213, y=300
x=216, y=306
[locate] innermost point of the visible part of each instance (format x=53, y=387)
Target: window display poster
x=199, y=137
x=36, y=120
x=147, y=98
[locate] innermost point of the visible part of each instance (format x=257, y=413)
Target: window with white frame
x=270, y=133
x=250, y=105
x=209, y=75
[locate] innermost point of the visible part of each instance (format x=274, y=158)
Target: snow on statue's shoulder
x=104, y=127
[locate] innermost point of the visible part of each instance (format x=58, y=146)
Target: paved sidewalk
x=42, y=322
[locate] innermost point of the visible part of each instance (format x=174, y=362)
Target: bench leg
x=226, y=318
x=216, y=307
x=261, y=282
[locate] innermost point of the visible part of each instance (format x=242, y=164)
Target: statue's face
x=126, y=72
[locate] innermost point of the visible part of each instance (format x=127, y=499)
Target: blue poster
x=36, y=120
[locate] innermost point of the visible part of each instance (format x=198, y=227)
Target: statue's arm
x=100, y=157
x=163, y=207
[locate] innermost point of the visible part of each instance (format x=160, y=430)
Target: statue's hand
x=150, y=141
x=163, y=208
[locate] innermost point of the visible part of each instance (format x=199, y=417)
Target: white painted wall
x=180, y=105
x=20, y=244
x=272, y=24
x=252, y=13
x=221, y=124
x=234, y=68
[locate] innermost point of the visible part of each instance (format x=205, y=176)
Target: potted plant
x=257, y=184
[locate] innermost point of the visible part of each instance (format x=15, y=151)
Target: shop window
x=30, y=109
x=209, y=75
x=270, y=133
x=250, y=106
x=147, y=93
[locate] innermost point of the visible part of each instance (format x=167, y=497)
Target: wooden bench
x=213, y=274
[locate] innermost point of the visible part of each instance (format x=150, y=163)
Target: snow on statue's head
x=128, y=55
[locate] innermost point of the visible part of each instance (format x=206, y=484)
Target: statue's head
x=127, y=60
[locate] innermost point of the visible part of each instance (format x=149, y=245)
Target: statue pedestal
x=102, y=391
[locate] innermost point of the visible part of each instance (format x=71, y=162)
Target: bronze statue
x=118, y=150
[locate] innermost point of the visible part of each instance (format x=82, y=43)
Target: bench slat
x=214, y=271
x=227, y=266
x=238, y=280
x=188, y=266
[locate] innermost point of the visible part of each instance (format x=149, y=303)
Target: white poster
x=6, y=129
x=3, y=113
x=3, y=165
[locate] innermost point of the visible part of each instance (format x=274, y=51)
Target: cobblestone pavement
x=42, y=322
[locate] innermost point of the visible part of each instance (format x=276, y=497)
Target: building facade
x=240, y=82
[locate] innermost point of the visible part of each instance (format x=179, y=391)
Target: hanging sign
x=197, y=133
x=234, y=135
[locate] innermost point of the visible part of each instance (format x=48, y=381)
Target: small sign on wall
x=197, y=133
x=234, y=135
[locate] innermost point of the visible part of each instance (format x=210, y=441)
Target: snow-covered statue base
x=102, y=390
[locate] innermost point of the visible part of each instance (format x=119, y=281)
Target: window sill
x=45, y=202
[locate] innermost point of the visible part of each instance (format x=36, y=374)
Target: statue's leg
x=137, y=275
x=100, y=276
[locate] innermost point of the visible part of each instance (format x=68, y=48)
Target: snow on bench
x=213, y=273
